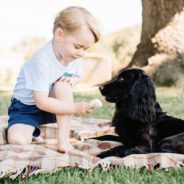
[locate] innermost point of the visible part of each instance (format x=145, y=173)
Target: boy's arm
x=53, y=105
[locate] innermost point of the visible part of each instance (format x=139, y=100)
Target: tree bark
x=162, y=37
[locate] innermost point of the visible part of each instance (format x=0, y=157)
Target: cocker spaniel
x=139, y=121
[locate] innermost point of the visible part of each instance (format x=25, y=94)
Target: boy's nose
x=80, y=53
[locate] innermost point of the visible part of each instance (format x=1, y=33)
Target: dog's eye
x=120, y=79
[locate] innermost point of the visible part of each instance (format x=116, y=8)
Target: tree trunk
x=162, y=40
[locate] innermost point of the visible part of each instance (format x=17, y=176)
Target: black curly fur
x=139, y=121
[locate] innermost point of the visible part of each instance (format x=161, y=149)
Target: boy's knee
x=17, y=138
x=62, y=90
x=61, y=86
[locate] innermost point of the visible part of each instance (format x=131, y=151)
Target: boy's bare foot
x=68, y=148
x=63, y=148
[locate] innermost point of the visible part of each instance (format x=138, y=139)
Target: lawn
x=171, y=100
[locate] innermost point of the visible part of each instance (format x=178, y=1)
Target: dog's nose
x=101, y=88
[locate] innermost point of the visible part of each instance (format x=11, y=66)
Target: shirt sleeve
x=37, y=77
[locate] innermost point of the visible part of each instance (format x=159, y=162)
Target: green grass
x=120, y=175
x=171, y=100
x=4, y=102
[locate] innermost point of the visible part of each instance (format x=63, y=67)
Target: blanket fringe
x=18, y=172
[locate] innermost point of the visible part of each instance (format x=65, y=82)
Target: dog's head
x=134, y=94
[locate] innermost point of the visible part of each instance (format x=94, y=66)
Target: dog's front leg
x=107, y=138
x=118, y=151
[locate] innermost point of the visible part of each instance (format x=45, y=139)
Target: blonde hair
x=75, y=18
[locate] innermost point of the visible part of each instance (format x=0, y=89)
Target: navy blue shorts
x=20, y=113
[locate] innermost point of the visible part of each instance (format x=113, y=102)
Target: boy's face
x=72, y=46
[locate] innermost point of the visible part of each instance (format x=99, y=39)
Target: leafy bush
x=121, y=45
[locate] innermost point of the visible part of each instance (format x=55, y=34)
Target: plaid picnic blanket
x=26, y=160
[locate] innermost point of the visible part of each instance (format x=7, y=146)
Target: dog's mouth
x=111, y=99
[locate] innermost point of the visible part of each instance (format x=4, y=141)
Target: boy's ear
x=59, y=33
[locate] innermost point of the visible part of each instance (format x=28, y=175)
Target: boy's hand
x=72, y=81
x=82, y=108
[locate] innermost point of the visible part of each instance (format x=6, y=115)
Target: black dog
x=139, y=121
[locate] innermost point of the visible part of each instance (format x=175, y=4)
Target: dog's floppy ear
x=142, y=100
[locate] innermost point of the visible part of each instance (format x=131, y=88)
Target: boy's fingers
x=88, y=110
x=68, y=79
x=61, y=78
x=65, y=79
x=66, y=82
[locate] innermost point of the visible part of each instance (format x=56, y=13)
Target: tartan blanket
x=26, y=160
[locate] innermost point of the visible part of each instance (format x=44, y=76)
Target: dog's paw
x=167, y=146
x=102, y=155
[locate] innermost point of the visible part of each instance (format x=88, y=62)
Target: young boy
x=43, y=92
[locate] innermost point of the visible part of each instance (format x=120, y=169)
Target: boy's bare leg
x=20, y=134
x=64, y=126
x=63, y=91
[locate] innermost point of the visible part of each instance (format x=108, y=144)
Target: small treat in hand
x=95, y=104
